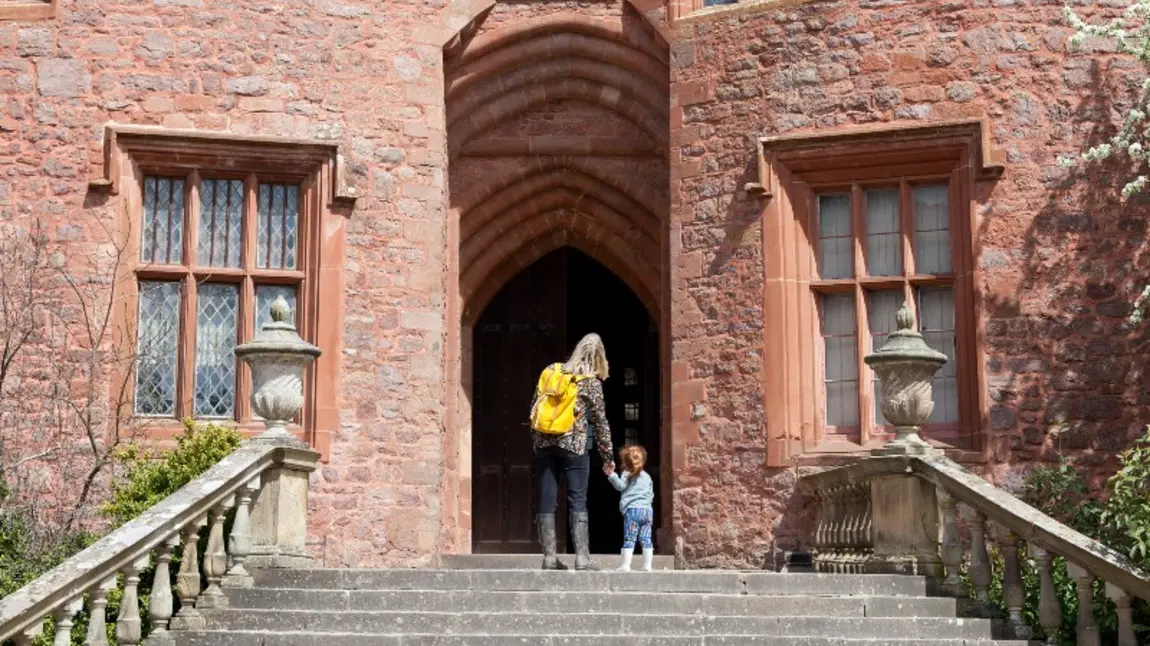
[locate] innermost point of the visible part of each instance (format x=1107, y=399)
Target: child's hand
x=609, y=468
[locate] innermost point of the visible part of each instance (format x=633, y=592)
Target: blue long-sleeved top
x=638, y=492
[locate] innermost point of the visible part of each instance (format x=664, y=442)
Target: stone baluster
x=97, y=619
x=129, y=628
x=1049, y=612
x=240, y=541
x=215, y=559
x=1013, y=593
x=160, y=601
x=951, y=544
x=979, y=559
x=188, y=580
x=822, y=531
x=1121, y=601
x=1084, y=581
x=64, y=616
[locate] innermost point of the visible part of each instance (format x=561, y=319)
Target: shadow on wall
x=1065, y=370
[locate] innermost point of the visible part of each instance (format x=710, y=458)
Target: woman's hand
x=609, y=468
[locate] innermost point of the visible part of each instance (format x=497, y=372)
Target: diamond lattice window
x=214, y=252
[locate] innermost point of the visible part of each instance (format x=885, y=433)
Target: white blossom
x=1131, y=33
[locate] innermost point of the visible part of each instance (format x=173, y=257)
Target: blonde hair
x=634, y=458
x=588, y=358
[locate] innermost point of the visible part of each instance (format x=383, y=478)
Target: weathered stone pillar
x=905, y=366
x=905, y=508
x=278, y=358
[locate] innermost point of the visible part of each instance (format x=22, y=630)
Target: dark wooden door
x=535, y=320
x=519, y=333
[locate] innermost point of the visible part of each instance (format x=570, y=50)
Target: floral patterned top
x=589, y=408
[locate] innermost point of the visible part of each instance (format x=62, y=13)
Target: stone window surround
x=789, y=167
x=25, y=10
x=131, y=152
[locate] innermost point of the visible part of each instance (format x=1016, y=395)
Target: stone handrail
x=270, y=473
x=899, y=514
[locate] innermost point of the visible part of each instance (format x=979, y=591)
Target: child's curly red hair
x=634, y=458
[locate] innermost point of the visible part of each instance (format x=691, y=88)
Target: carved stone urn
x=905, y=366
x=277, y=357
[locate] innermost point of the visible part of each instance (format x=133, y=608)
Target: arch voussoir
x=464, y=78
x=564, y=22
x=514, y=196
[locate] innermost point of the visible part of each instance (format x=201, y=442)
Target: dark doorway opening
x=536, y=319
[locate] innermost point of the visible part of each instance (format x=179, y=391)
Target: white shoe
x=625, y=566
x=648, y=558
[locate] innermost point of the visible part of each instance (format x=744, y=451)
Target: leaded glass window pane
x=883, y=239
x=936, y=313
x=840, y=355
x=221, y=222
x=215, y=378
x=265, y=296
x=157, y=337
x=836, y=247
x=931, y=230
x=161, y=234
x=278, y=230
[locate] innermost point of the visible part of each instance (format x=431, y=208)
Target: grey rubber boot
x=546, y=523
x=582, y=542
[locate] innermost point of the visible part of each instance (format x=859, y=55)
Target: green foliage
x=147, y=479
x=1126, y=517
x=1121, y=522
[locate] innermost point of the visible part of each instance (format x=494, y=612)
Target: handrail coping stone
x=107, y=556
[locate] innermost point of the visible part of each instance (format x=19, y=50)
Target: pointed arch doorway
x=536, y=319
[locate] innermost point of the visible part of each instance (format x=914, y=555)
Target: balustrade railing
x=263, y=485
x=936, y=487
x=89, y=577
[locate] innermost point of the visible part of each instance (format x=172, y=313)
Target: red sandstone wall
x=369, y=76
x=364, y=74
x=1061, y=260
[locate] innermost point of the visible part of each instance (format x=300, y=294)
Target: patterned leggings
x=637, y=523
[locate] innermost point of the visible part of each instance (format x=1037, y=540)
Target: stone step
x=516, y=623
x=678, y=581
x=257, y=638
x=589, y=602
x=533, y=561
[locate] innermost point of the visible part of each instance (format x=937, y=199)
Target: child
x=636, y=505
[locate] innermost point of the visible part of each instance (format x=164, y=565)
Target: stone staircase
x=346, y=607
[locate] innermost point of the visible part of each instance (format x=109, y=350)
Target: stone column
x=905, y=366
x=278, y=358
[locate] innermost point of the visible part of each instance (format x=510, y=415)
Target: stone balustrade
x=234, y=486
x=263, y=486
x=918, y=534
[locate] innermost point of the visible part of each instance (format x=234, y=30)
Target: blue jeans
x=551, y=461
x=637, y=523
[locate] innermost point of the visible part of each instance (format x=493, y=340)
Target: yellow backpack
x=554, y=409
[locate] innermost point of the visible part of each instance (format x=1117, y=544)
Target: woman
x=570, y=454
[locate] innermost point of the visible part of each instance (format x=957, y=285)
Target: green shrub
x=147, y=478
x=1121, y=522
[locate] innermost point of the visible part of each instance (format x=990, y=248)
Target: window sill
x=161, y=435
x=838, y=454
